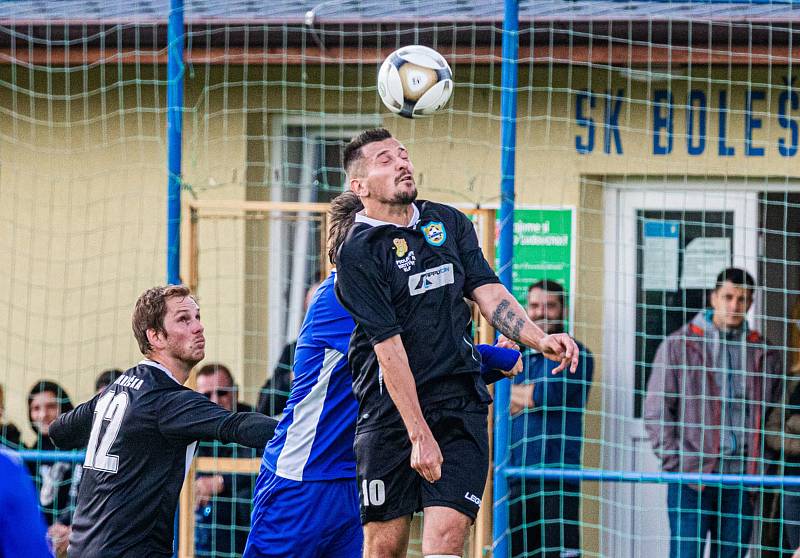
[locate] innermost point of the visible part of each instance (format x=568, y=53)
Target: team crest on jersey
x=400, y=247
x=434, y=233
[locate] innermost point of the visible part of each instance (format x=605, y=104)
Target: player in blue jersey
x=306, y=501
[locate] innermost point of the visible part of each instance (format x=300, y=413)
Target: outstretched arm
x=507, y=316
x=190, y=416
x=426, y=457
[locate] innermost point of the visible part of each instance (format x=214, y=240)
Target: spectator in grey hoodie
x=713, y=383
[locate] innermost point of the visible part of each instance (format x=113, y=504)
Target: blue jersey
x=314, y=440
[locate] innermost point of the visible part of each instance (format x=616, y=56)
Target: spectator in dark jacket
x=223, y=501
x=782, y=514
x=9, y=433
x=783, y=437
x=546, y=431
x=106, y=378
x=57, y=482
x=275, y=391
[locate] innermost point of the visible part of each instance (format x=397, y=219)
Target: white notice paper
x=660, y=265
x=703, y=260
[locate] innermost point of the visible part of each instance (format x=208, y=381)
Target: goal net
x=656, y=146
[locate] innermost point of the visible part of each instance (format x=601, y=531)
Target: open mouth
x=404, y=178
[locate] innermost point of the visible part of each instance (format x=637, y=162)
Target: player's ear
x=155, y=338
x=358, y=187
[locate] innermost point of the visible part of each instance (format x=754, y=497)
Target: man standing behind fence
x=713, y=383
x=222, y=501
x=546, y=431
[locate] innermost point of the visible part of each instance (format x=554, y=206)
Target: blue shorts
x=308, y=519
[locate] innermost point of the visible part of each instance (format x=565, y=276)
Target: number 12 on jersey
x=110, y=407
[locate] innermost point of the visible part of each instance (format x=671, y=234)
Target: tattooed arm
x=508, y=317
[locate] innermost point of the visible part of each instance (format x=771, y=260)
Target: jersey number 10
x=110, y=407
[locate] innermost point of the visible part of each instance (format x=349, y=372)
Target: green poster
x=543, y=247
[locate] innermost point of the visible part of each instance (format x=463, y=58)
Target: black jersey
x=140, y=435
x=412, y=281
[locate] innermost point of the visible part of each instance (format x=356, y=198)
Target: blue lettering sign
x=696, y=97
x=751, y=123
x=611, y=128
x=584, y=145
x=792, y=99
x=723, y=149
x=661, y=121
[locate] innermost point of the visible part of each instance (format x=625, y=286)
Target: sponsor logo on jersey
x=400, y=247
x=407, y=263
x=472, y=498
x=431, y=279
x=434, y=233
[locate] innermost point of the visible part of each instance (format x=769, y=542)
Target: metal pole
x=639, y=477
x=508, y=133
x=175, y=71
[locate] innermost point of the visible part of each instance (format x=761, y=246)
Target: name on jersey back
x=129, y=382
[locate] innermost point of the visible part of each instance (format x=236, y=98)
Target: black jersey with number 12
x=140, y=435
x=412, y=281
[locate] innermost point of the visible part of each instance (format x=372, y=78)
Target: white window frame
x=630, y=504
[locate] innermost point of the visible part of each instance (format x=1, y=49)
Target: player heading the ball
x=404, y=270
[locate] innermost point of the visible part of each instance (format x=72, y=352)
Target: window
x=306, y=167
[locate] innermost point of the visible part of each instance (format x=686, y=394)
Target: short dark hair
x=352, y=151
x=737, y=276
x=106, y=378
x=341, y=216
x=550, y=287
x=150, y=311
x=214, y=367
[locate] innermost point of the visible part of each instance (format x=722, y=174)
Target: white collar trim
x=161, y=367
x=361, y=218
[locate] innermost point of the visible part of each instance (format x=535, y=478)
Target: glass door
x=665, y=245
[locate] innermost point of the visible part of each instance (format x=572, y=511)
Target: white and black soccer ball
x=414, y=81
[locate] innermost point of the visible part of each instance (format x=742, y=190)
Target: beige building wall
x=83, y=225
x=83, y=210
x=82, y=193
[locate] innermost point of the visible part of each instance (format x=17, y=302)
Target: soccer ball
x=415, y=81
